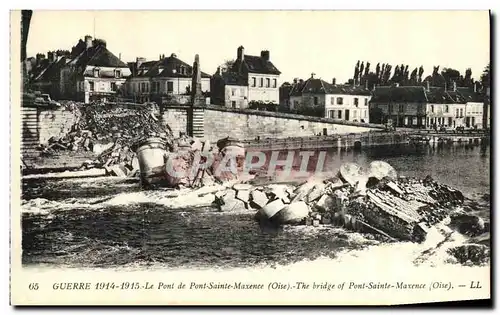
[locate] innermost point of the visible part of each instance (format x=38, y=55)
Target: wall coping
x=290, y=116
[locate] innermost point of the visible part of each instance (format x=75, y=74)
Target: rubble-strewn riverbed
x=111, y=221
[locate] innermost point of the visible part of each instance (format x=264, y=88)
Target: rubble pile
x=392, y=208
x=109, y=131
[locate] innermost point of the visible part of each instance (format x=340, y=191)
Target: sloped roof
x=50, y=71
x=98, y=56
x=233, y=78
x=255, y=64
x=319, y=86
x=419, y=94
x=469, y=94
x=166, y=66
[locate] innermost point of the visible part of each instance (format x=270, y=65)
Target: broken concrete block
x=325, y=203
x=286, y=200
x=116, y=170
x=272, y=208
x=316, y=192
x=196, y=145
x=259, y=199
x=243, y=195
x=293, y=213
x=220, y=193
x=303, y=190
x=231, y=205
x=242, y=187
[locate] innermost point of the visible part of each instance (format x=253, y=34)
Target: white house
x=344, y=102
x=94, y=73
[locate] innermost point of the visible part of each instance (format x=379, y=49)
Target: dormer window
x=96, y=72
x=118, y=74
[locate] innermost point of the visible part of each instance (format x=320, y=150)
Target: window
x=118, y=74
x=339, y=114
x=96, y=73
x=365, y=114
x=366, y=101
x=268, y=82
x=401, y=108
x=254, y=82
x=143, y=87
x=261, y=82
x=461, y=112
x=233, y=104
x=170, y=86
x=456, y=113
x=332, y=101
x=91, y=86
x=113, y=86
x=331, y=113
x=233, y=92
x=354, y=114
x=356, y=101
x=449, y=121
x=340, y=101
x=432, y=108
x=446, y=109
x=315, y=100
x=275, y=83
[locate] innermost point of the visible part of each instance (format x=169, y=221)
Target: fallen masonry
x=391, y=207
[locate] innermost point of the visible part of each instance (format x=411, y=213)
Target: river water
x=111, y=222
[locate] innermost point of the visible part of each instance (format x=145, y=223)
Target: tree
x=414, y=77
x=420, y=73
x=450, y=76
x=486, y=81
x=377, y=70
x=367, y=69
x=356, y=72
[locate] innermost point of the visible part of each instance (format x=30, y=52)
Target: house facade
x=252, y=77
x=45, y=73
x=93, y=73
x=320, y=98
x=426, y=107
x=229, y=89
x=166, y=81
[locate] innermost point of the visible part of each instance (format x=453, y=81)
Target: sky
x=327, y=43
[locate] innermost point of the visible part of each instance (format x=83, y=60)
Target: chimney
x=120, y=56
x=295, y=80
x=139, y=61
x=241, y=53
x=39, y=58
x=454, y=86
x=218, y=71
x=312, y=75
x=88, y=41
x=334, y=81
x=51, y=56
x=264, y=55
x=428, y=86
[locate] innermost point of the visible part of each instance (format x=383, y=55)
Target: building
x=165, y=81
x=93, y=73
x=426, y=107
x=253, y=77
x=229, y=89
x=319, y=98
x=45, y=73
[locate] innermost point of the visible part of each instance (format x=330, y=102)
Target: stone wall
x=176, y=118
x=54, y=123
x=250, y=124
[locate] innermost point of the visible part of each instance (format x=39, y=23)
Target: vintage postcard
x=250, y=157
